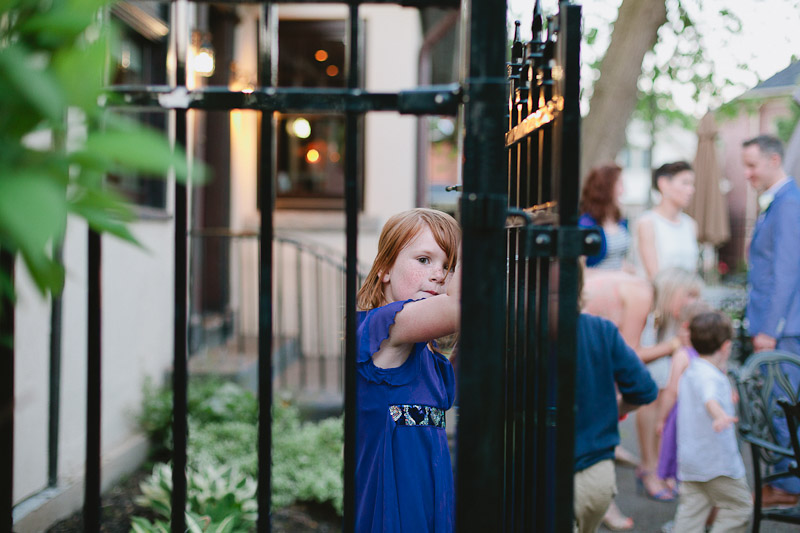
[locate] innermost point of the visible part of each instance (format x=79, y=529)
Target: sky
x=769, y=36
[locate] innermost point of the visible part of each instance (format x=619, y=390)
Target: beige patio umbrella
x=791, y=163
x=709, y=206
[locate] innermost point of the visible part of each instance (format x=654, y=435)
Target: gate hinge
x=574, y=241
x=542, y=241
x=564, y=242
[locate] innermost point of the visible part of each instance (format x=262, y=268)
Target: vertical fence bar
x=341, y=279
x=299, y=287
x=180, y=429
x=91, y=500
x=280, y=330
x=265, y=333
x=7, y=402
x=511, y=284
x=537, y=313
x=180, y=363
x=265, y=276
x=568, y=185
x=352, y=205
x=479, y=491
x=54, y=388
x=320, y=322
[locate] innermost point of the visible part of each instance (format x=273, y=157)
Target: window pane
x=311, y=146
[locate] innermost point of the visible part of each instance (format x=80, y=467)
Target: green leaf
x=193, y=523
x=80, y=70
x=33, y=212
x=35, y=85
x=226, y=526
x=33, y=209
x=143, y=525
x=137, y=147
x=141, y=150
x=46, y=273
x=105, y=212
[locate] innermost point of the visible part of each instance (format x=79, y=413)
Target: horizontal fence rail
x=433, y=100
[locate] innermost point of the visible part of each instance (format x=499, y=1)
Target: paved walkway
x=649, y=515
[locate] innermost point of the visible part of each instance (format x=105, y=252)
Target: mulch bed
x=119, y=507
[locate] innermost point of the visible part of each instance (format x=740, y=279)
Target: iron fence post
x=7, y=402
x=180, y=428
x=568, y=181
x=352, y=205
x=480, y=449
x=266, y=190
x=91, y=499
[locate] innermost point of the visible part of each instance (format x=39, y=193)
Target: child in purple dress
x=404, y=481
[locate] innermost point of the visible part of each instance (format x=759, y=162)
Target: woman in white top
x=665, y=237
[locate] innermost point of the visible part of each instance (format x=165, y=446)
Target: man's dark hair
x=768, y=144
x=669, y=170
x=708, y=331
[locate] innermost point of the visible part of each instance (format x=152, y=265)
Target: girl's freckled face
x=418, y=272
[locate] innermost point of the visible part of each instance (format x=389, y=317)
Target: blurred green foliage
x=58, y=136
x=307, y=457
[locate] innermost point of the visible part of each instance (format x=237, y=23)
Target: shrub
x=218, y=499
x=222, y=455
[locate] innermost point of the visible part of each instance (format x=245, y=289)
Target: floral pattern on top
x=417, y=415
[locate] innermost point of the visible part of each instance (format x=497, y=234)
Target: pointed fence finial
x=516, y=47
x=537, y=26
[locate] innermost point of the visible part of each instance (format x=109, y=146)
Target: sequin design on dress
x=417, y=415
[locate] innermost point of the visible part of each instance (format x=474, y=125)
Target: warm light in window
x=332, y=70
x=312, y=156
x=321, y=55
x=301, y=128
x=204, y=62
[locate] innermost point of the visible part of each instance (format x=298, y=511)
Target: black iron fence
x=519, y=215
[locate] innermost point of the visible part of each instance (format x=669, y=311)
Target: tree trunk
x=615, y=93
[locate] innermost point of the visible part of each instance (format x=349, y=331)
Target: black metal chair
x=766, y=380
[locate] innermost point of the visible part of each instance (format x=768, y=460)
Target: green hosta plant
x=307, y=457
x=209, y=402
x=220, y=498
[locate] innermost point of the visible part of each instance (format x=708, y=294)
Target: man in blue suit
x=773, y=304
x=773, y=307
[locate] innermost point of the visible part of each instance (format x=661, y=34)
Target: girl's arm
x=680, y=361
x=720, y=419
x=421, y=321
x=646, y=242
x=662, y=349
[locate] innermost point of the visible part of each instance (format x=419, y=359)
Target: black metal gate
x=521, y=248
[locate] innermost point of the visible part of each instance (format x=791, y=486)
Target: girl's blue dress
x=404, y=481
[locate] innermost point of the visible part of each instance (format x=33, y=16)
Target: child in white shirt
x=710, y=467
